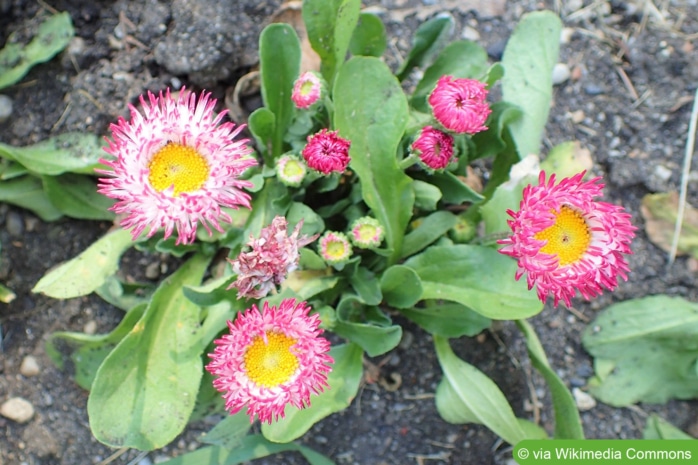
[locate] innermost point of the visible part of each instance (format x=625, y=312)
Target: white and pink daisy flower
x=366, y=232
x=271, y=359
x=434, y=147
x=565, y=241
x=175, y=165
x=460, y=104
x=269, y=259
x=327, y=152
x=306, y=90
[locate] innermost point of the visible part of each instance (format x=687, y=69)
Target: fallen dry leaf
x=660, y=212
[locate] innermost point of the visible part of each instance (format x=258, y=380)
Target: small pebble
x=152, y=271
x=593, y=89
x=5, y=108
x=29, y=366
x=583, y=400
x=470, y=33
x=145, y=461
x=17, y=409
x=566, y=35
x=14, y=224
x=577, y=382
x=561, y=73
x=90, y=327
x=662, y=172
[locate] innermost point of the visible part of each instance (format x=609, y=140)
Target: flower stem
x=409, y=161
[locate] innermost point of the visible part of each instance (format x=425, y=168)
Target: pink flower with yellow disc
x=175, y=164
x=271, y=359
x=566, y=242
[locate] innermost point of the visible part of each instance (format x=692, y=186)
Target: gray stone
x=14, y=224
x=30, y=366
x=5, y=107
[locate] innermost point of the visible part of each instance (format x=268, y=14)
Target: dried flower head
x=271, y=359
x=269, y=259
x=460, y=104
x=334, y=247
x=366, y=232
x=566, y=241
x=327, y=152
x=306, y=90
x=175, y=165
x=290, y=170
x=435, y=148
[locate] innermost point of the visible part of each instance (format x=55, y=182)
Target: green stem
x=409, y=161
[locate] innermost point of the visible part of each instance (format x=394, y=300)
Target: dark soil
x=635, y=131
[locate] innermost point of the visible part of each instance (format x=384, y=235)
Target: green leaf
x=507, y=196
x=11, y=170
x=566, y=159
x=262, y=123
x=371, y=111
x=28, y=192
x=460, y=59
x=279, y=66
x=529, y=57
x=369, y=37
x=452, y=188
x=312, y=222
x=72, y=152
x=89, y=351
x=658, y=428
x=657, y=335
x=343, y=384
x=429, y=38
x=330, y=25
x=429, y=230
x=478, y=277
x=401, y=286
x=470, y=394
x=229, y=432
x=366, y=326
x=492, y=142
x=16, y=59
x=145, y=390
x=366, y=286
x=124, y=295
x=251, y=447
x=6, y=294
x=76, y=195
x=568, y=425
x=448, y=320
x=211, y=293
x=426, y=196
x=89, y=270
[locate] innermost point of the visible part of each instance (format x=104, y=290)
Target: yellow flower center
x=568, y=238
x=272, y=363
x=293, y=169
x=179, y=166
x=367, y=232
x=336, y=249
x=306, y=87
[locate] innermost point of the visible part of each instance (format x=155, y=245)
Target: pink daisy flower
x=460, y=105
x=435, y=148
x=566, y=241
x=327, y=152
x=271, y=359
x=334, y=247
x=270, y=259
x=306, y=90
x=175, y=166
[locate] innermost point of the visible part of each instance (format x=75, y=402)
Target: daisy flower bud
x=306, y=90
x=327, y=152
x=460, y=105
x=290, y=170
x=464, y=230
x=566, y=241
x=435, y=148
x=334, y=247
x=366, y=232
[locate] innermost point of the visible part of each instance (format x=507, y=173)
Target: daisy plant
x=340, y=211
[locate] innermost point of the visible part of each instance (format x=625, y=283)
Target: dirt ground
x=633, y=71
